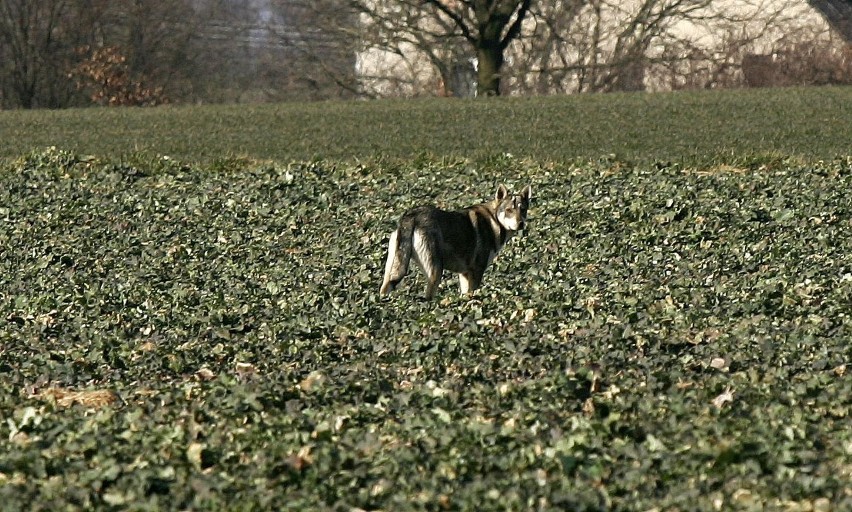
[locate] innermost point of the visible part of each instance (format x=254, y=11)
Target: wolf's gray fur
x=463, y=241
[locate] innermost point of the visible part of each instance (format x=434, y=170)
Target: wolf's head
x=511, y=210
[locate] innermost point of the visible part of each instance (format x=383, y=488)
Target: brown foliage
x=801, y=63
x=105, y=76
x=66, y=397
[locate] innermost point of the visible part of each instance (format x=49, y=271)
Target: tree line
x=65, y=53
x=528, y=47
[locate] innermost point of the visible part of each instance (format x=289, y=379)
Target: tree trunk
x=490, y=61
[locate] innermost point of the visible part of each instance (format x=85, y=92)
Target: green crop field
x=690, y=128
x=193, y=322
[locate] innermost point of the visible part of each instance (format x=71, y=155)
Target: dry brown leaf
x=90, y=398
x=205, y=374
x=314, y=380
x=725, y=397
x=246, y=370
x=718, y=363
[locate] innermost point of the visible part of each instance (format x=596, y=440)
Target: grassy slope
x=694, y=127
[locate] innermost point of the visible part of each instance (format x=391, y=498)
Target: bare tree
x=38, y=39
x=158, y=36
x=599, y=45
x=438, y=28
x=564, y=46
x=489, y=26
x=401, y=46
x=314, y=50
x=535, y=47
x=42, y=42
x=783, y=42
x=838, y=13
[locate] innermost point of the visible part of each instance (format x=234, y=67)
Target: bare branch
x=457, y=19
x=515, y=29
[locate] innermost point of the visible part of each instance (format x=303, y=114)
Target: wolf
x=462, y=241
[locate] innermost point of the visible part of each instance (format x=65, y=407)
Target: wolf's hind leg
x=469, y=281
x=464, y=283
x=425, y=253
x=434, y=281
x=394, y=272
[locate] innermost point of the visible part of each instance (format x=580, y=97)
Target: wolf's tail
x=399, y=255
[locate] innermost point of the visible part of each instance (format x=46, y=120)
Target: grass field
x=701, y=128
x=203, y=332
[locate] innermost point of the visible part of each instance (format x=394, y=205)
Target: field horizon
x=690, y=128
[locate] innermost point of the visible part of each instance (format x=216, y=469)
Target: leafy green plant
x=661, y=337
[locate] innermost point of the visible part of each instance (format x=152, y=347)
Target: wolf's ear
x=502, y=192
x=526, y=193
